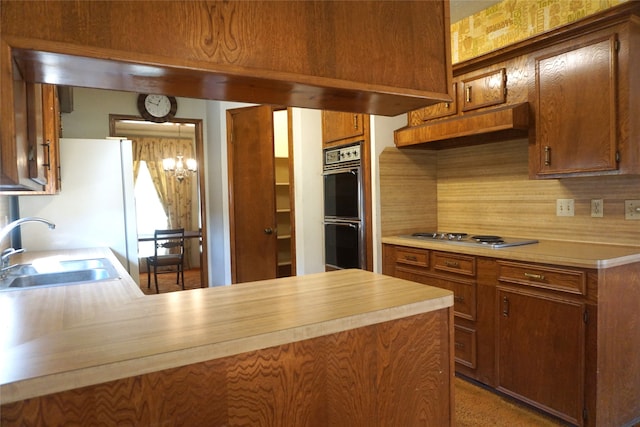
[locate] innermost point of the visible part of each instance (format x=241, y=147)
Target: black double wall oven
x=343, y=208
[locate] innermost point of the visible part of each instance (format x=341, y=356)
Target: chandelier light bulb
x=180, y=168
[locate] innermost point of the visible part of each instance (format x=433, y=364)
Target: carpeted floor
x=477, y=407
x=167, y=282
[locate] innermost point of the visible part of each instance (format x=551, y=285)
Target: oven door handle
x=352, y=171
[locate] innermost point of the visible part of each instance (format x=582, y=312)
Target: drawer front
x=464, y=295
x=560, y=279
x=411, y=256
x=465, y=346
x=484, y=90
x=453, y=263
x=441, y=109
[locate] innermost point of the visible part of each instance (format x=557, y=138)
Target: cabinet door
x=35, y=134
x=575, y=104
x=484, y=90
x=338, y=127
x=51, y=132
x=436, y=111
x=541, y=351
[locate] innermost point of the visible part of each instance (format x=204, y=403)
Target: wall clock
x=157, y=108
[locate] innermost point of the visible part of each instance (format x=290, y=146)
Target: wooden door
x=252, y=201
x=541, y=351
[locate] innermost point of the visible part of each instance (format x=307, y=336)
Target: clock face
x=157, y=105
x=157, y=108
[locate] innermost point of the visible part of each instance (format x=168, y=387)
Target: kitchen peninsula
x=348, y=347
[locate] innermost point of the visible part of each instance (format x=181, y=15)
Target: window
x=150, y=214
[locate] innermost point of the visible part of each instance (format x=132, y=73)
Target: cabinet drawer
x=436, y=111
x=411, y=256
x=560, y=279
x=464, y=295
x=465, y=346
x=484, y=90
x=453, y=263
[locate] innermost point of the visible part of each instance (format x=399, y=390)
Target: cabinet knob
x=268, y=230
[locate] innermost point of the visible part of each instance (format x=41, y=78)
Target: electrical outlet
x=632, y=209
x=564, y=207
x=597, y=208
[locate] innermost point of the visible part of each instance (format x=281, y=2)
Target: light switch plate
x=564, y=207
x=632, y=209
x=597, y=208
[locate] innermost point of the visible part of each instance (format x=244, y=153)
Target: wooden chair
x=173, y=241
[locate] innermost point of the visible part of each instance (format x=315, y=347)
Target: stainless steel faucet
x=4, y=232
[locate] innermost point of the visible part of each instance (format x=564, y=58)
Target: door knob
x=268, y=231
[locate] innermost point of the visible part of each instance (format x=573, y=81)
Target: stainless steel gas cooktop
x=491, y=241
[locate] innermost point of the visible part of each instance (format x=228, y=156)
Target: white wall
x=381, y=136
x=307, y=158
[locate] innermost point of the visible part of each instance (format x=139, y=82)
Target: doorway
x=261, y=202
x=134, y=126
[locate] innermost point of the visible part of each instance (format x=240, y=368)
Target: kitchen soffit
x=191, y=82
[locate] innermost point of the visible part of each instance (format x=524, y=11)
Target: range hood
x=496, y=124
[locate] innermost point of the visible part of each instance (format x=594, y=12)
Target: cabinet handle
x=458, y=298
x=452, y=264
x=467, y=91
x=411, y=258
x=534, y=276
x=355, y=121
x=47, y=147
x=547, y=155
x=505, y=307
x=447, y=105
x=459, y=345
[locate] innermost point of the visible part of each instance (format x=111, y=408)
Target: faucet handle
x=8, y=253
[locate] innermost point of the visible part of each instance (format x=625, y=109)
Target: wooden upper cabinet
x=341, y=128
x=576, y=107
x=334, y=55
x=487, y=89
x=30, y=142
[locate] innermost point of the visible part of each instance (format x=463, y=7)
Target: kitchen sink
x=44, y=273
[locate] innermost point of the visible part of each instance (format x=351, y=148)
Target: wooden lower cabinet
x=563, y=339
x=540, y=351
x=394, y=373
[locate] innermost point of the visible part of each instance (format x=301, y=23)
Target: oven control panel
x=342, y=155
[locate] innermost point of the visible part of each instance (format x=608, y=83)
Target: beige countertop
x=66, y=337
x=572, y=254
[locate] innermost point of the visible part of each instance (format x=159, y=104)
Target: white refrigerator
x=96, y=205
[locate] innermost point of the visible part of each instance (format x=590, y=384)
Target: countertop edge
x=570, y=254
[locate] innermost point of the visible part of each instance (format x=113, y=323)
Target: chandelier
x=179, y=167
